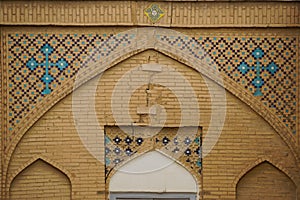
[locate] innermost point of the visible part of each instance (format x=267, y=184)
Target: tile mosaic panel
x=34, y=73
x=266, y=65
x=125, y=143
x=154, y=13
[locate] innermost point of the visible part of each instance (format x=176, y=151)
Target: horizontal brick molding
x=128, y=13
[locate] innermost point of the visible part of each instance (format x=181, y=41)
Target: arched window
x=152, y=176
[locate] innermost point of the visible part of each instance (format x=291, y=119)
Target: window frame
x=117, y=195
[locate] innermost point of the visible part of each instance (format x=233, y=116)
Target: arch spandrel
x=150, y=38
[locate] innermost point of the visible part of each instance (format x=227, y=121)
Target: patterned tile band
x=266, y=66
x=121, y=146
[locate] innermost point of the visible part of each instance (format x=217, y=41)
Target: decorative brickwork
x=233, y=57
x=265, y=159
x=184, y=146
x=249, y=50
x=275, y=69
x=42, y=179
x=177, y=14
x=226, y=163
x=154, y=12
x=255, y=183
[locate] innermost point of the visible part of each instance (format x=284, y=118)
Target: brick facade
x=231, y=68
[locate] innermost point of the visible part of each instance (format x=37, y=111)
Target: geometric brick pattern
x=121, y=145
x=278, y=88
x=25, y=85
x=32, y=64
x=278, y=91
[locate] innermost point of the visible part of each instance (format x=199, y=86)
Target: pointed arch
x=44, y=159
x=49, y=179
x=150, y=38
x=163, y=174
x=267, y=181
x=258, y=162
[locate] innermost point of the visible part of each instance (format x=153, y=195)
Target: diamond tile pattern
x=121, y=145
x=27, y=77
x=154, y=12
x=235, y=57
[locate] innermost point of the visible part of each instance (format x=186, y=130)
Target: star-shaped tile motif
x=154, y=13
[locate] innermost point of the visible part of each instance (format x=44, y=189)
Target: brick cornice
x=128, y=13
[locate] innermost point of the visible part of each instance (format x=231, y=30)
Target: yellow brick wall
x=263, y=179
x=40, y=181
x=161, y=95
x=245, y=140
x=54, y=137
x=177, y=14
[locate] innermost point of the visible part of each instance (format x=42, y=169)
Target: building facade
x=150, y=100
